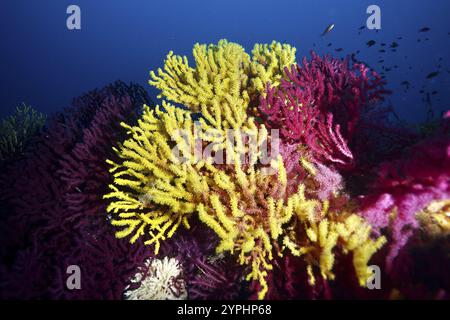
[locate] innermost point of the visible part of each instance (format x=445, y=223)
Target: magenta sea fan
x=320, y=104
x=406, y=186
x=55, y=207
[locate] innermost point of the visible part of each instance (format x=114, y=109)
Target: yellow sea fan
x=319, y=231
x=268, y=63
x=158, y=179
x=435, y=218
x=255, y=218
x=246, y=209
x=224, y=80
x=220, y=71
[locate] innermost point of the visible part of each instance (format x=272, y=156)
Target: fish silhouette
x=328, y=29
x=370, y=43
x=432, y=74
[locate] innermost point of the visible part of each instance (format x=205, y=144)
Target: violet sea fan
x=320, y=104
x=406, y=186
x=207, y=275
x=57, y=212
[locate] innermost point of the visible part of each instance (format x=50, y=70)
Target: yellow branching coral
x=319, y=230
x=268, y=63
x=256, y=218
x=246, y=203
x=224, y=80
x=435, y=218
x=219, y=72
x=160, y=179
x=156, y=189
x=246, y=208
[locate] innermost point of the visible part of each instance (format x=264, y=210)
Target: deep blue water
x=44, y=64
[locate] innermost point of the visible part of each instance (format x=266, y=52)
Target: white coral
x=159, y=280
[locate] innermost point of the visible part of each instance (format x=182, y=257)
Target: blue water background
x=44, y=64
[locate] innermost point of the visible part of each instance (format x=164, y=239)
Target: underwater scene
x=225, y=150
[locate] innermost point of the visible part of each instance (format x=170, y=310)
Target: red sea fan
x=220, y=279
x=57, y=212
x=289, y=281
x=207, y=275
x=83, y=169
x=320, y=104
x=406, y=186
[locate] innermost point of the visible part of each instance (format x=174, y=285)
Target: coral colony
x=248, y=181
x=17, y=129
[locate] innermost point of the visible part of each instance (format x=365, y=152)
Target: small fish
x=394, y=45
x=383, y=44
x=388, y=69
x=329, y=45
x=339, y=49
x=395, y=67
x=418, y=40
x=427, y=39
x=380, y=61
x=328, y=29
x=382, y=50
x=400, y=38
x=358, y=51
x=424, y=29
x=434, y=92
x=432, y=74
x=362, y=27
x=370, y=43
x=405, y=83
x=422, y=91
x=393, y=50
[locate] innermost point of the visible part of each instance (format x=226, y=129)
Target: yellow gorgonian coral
x=246, y=208
x=161, y=180
x=435, y=218
x=320, y=229
x=268, y=63
x=155, y=189
x=225, y=78
x=256, y=218
x=160, y=177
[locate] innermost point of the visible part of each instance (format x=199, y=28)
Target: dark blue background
x=46, y=65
